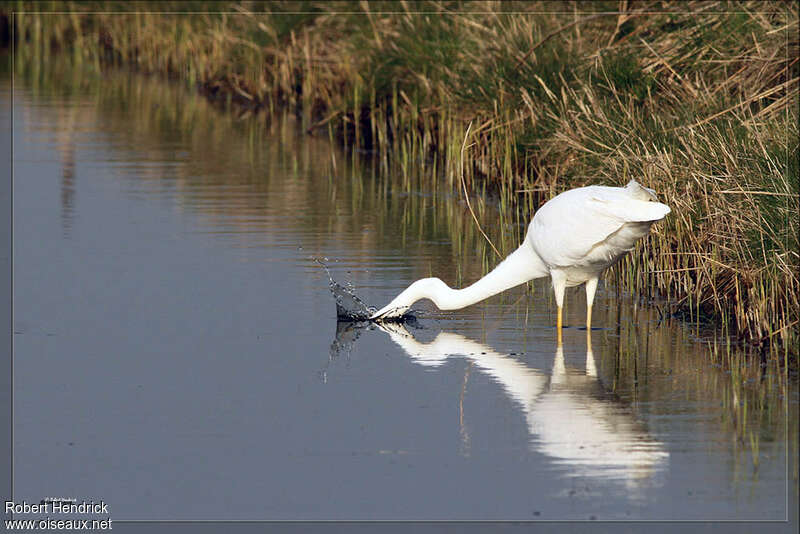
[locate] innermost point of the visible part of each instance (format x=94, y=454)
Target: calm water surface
x=176, y=350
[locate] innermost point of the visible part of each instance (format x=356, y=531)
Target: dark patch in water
x=347, y=333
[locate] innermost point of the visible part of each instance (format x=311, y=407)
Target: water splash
x=349, y=307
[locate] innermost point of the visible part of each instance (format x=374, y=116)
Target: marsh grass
x=696, y=100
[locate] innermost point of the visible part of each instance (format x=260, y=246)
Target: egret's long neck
x=520, y=266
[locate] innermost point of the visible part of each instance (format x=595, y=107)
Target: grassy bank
x=699, y=104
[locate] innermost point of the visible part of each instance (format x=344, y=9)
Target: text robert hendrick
x=57, y=507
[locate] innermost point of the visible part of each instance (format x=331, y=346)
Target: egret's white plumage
x=573, y=238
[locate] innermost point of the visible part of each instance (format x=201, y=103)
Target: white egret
x=572, y=238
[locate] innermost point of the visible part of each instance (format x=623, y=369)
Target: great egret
x=573, y=238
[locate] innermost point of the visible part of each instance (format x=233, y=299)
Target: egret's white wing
x=566, y=228
x=570, y=225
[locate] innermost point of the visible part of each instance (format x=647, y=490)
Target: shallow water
x=177, y=352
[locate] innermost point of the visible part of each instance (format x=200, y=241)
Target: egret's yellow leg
x=559, y=280
x=589, y=325
x=559, y=324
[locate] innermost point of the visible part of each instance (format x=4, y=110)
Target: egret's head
x=426, y=288
x=639, y=192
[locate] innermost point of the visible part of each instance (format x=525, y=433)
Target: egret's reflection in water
x=571, y=418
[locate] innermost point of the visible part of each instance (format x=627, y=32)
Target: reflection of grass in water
x=151, y=117
x=647, y=358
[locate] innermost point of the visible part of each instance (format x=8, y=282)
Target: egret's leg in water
x=559, y=324
x=559, y=286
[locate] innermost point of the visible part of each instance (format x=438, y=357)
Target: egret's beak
x=388, y=311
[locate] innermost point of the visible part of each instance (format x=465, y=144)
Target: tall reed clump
x=697, y=100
